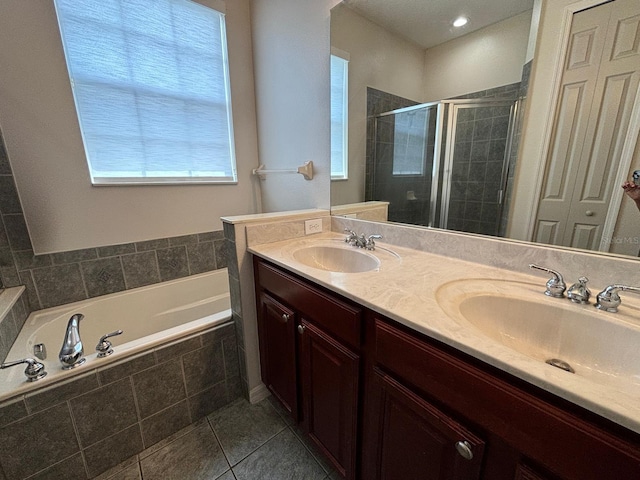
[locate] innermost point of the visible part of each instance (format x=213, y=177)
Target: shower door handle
x=500, y=196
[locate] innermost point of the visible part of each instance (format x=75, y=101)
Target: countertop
x=406, y=287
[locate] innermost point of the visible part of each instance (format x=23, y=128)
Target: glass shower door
x=475, y=165
x=403, y=162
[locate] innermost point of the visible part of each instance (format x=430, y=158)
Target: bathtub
x=149, y=316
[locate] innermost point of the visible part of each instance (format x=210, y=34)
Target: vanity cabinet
x=310, y=359
x=517, y=430
x=384, y=402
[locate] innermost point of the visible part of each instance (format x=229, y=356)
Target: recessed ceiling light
x=460, y=21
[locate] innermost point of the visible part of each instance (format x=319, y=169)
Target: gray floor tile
x=313, y=449
x=242, y=427
x=227, y=476
x=195, y=456
x=281, y=458
x=281, y=411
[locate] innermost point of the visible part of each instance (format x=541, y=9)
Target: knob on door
x=589, y=213
x=301, y=329
x=464, y=449
x=285, y=317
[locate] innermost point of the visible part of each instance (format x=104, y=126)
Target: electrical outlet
x=313, y=226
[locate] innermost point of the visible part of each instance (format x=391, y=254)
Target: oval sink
x=596, y=344
x=336, y=259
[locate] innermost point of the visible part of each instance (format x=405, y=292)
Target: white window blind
x=151, y=86
x=339, y=124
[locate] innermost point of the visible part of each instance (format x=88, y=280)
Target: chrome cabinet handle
x=285, y=317
x=301, y=329
x=464, y=449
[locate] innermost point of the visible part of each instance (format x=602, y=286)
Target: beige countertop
x=409, y=287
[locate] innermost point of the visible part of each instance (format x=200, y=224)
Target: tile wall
x=11, y=325
x=83, y=427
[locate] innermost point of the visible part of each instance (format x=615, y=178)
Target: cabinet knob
x=301, y=329
x=589, y=213
x=285, y=317
x=464, y=449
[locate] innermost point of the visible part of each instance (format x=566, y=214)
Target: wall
x=63, y=211
x=291, y=63
x=376, y=58
x=495, y=56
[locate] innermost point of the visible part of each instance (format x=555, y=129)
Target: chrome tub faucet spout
x=72, y=352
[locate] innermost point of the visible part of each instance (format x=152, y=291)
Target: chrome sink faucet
x=555, y=285
x=71, y=353
x=361, y=241
x=609, y=300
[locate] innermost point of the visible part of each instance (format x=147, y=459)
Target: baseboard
x=258, y=393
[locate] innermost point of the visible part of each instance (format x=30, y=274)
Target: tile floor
x=239, y=442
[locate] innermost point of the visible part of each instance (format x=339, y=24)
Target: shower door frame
x=452, y=107
x=447, y=111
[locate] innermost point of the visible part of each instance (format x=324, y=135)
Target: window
x=339, y=124
x=151, y=87
x=410, y=141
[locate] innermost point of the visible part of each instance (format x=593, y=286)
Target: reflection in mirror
x=421, y=136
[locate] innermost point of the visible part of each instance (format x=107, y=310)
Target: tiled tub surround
x=432, y=257
x=60, y=278
x=149, y=316
x=13, y=313
x=96, y=421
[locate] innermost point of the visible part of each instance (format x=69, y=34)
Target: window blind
x=151, y=87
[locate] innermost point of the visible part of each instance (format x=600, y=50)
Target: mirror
x=485, y=60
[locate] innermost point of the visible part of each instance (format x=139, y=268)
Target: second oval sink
x=336, y=259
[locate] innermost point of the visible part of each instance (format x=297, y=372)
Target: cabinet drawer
x=578, y=448
x=340, y=319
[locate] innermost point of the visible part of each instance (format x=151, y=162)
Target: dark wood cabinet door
x=276, y=332
x=413, y=440
x=329, y=374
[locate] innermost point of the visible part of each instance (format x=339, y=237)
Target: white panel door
x=599, y=86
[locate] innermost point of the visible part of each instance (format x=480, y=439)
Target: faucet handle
x=609, y=300
x=104, y=346
x=34, y=371
x=352, y=238
x=555, y=285
x=369, y=243
x=578, y=292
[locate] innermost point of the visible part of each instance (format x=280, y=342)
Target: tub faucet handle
x=104, y=346
x=34, y=371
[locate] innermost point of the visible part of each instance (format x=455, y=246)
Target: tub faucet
x=71, y=354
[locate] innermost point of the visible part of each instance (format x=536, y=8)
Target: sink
x=337, y=259
x=596, y=344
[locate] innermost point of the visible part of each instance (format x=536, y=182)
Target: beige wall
x=37, y=116
x=485, y=59
x=291, y=61
x=378, y=59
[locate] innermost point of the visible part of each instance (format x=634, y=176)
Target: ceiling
x=429, y=22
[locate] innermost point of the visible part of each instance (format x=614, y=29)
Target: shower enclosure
x=444, y=164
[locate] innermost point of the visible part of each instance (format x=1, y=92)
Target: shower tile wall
x=378, y=102
x=481, y=139
x=379, y=183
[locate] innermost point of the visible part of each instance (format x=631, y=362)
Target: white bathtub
x=149, y=316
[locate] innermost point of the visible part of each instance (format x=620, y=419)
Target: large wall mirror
x=438, y=116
